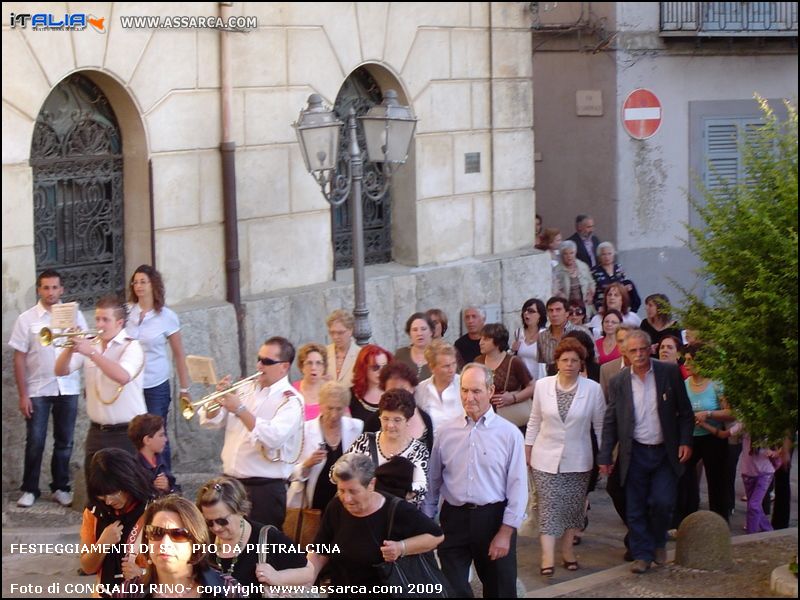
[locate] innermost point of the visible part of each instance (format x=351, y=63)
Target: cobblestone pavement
x=599, y=553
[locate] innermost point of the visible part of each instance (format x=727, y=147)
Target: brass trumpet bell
x=47, y=337
x=211, y=401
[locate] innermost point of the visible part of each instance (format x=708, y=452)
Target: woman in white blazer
x=558, y=448
x=327, y=437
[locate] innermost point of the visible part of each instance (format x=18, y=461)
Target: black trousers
x=714, y=454
x=268, y=497
x=467, y=535
x=99, y=438
x=783, y=496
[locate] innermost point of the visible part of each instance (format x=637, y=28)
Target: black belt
x=259, y=480
x=472, y=506
x=661, y=445
x=115, y=427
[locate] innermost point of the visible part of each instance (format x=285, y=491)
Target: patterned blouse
x=416, y=452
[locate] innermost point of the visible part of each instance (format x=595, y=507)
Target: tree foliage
x=748, y=246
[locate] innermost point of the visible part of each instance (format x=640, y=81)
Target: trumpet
x=46, y=336
x=211, y=401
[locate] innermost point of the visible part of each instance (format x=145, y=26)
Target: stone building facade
x=457, y=237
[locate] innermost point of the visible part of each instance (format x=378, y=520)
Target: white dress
x=529, y=353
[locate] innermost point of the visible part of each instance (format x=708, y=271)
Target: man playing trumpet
x=263, y=431
x=113, y=364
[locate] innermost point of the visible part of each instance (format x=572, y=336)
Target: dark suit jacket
x=582, y=254
x=607, y=372
x=674, y=412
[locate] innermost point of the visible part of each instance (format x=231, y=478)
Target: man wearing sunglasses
x=263, y=432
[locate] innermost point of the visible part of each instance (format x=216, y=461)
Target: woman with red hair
x=366, y=391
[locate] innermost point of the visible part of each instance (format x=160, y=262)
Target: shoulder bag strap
x=394, y=500
x=373, y=446
x=508, y=372
x=263, y=537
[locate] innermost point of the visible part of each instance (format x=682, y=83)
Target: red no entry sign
x=641, y=114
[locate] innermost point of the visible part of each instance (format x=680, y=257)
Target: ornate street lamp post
x=388, y=129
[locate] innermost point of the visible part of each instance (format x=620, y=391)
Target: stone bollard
x=704, y=542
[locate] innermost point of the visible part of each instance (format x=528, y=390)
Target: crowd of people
x=432, y=446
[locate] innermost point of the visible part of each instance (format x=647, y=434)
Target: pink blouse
x=602, y=357
x=311, y=410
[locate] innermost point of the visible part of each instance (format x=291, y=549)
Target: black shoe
x=628, y=557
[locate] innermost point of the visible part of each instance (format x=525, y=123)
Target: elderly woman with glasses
x=356, y=524
x=312, y=360
x=224, y=504
x=177, y=540
x=119, y=489
x=572, y=278
x=327, y=437
x=396, y=408
x=606, y=272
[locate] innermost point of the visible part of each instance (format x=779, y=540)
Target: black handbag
x=413, y=576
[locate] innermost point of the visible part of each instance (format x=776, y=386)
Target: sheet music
x=63, y=316
x=201, y=369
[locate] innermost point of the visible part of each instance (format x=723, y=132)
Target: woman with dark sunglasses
x=177, y=539
x=224, y=504
x=119, y=489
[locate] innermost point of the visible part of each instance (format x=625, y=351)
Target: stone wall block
x=444, y=106
x=17, y=135
x=270, y=114
x=17, y=201
x=260, y=58
x=261, y=182
x=324, y=72
x=470, y=50
x=287, y=263
x=514, y=215
x=428, y=60
x=178, y=253
x=434, y=166
x=511, y=54
x=445, y=229
x=174, y=125
x=90, y=49
x=513, y=157
x=176, y=190
x=513, y=103
x=25, y=85
x=372, y=25
x=525, y=277
x=155, y=77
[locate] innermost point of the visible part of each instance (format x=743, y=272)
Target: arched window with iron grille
x=362, y=92
x=76, y=155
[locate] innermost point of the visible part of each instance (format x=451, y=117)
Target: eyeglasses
x=576, y=313
x=268, y=362
x=176, y=535
x=393, y=420
x=222, y=522
x=109, y=498
x=530, y=310
x=376, y=368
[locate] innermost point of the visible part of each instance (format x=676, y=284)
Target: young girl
x=758, y=469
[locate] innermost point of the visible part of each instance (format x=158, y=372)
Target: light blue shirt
x=152, y=334
x=481, y=463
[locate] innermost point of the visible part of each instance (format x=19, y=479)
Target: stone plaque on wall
x=589, y=103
